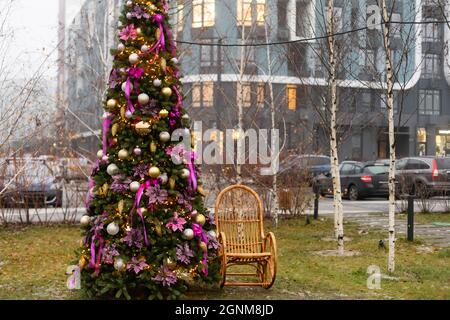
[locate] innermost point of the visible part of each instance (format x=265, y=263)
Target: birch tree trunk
x=274, y=190
x=390, y=108
x=336, y=177
x=240, y=139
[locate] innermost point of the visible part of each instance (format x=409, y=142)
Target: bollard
x=410, y=231
x=316, y=206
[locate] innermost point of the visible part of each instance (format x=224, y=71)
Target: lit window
x=260, y=95
x=244, y=95
x=203, y=94
x=204, y=13
x=251, y=11
x=292, y=97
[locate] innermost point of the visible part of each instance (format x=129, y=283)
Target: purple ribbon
x=198, y=232
x=161, y=43
x=130, y=106
x=192, y=175
x=147, y=184
x=93, y=263
x=179, y=98
x=106, y=124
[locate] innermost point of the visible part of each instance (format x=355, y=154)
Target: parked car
x=30, y=183
x=358, y=180
x=423, y=176
x=313, y=165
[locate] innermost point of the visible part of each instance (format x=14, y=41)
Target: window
x=396, y=27
x=366, y=100
x=208, y=55
x=203, y=94
x=421, y=141
x=260, y=95
x=291, y=97
x=431, y=31
x=244, y=94
x=250, y=12
x=304, y=18
x=429, y=102
x=431, y=66
x=180, y=16
x=204, y=13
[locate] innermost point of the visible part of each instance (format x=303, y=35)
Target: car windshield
x=443, y=163
x=377, y=169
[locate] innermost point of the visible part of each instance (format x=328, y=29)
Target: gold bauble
x=112, y=103
x=143, y=128
x=82, y=262
x=139, y=31
x=115, y=141
x=200, y=219
x=115, y=129
x=158, y=33
x=164, y=113
x=172, y=183
x=153, y=147
x=123, y=154
x=154, y=172
x=203, y=246
x=144, y=211
x=163, y=64
x=158, y=230
x=167, y=92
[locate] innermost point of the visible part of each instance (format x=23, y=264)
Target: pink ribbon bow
x=93, y=263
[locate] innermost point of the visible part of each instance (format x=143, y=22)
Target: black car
x=423, y=176
x=308, y=164
x=30, y=183
x=358, y=180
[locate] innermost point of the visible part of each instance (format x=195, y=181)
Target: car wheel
x=353, y=193
x=420, y=191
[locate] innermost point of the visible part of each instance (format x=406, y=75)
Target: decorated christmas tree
x=147, y=233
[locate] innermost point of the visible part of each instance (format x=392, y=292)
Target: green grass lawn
x=33, y=261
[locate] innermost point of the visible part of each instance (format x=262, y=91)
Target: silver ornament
x=129, y=3
x=119, y=265
x=164, y=136
x=112, y=229
x=164, y=178
x=212, y=234
x=100, y=154
x=121, y=47
x=112, y=169
x=85, y=221
x=157, y=83
x=185, y=173
x=129, y=16
x=128, y=114
x=143, y=99
x=133, y=58
x=124, y=87
x=137, y=151
x=134, y=186
x=174, y=60
x=188, y=234
x=145, y=48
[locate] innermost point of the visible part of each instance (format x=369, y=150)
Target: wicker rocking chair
x=239, y=221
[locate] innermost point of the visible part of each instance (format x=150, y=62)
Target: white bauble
x=112, y=169
x=143, y=99
x=134, y=186
x=85, y=221
x=112, y=229
x=121, y=47
x=133, y=58
x=164, y=136
x=128, y=114
x=100, y=154
x=105, y=158
x=119, y=265
x=129, y=3
x=129, y=16
x=124, y=87
x=123, y=154
x=174, y=60
x=212, y=234
x=185, y=173
x=137, y=151
x=157, y=83
x=145, y=48
x=188, y=234
x=164, y=178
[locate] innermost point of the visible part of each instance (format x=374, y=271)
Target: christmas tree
x=147, y=233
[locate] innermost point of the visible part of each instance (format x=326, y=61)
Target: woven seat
x=241, y=236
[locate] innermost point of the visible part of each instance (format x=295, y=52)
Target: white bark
x=336, y=177
x=390, y=108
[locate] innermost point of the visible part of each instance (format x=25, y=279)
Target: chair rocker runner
x=239, y=222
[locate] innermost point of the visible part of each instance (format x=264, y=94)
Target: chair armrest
x=222, y=239
x=272, y=242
